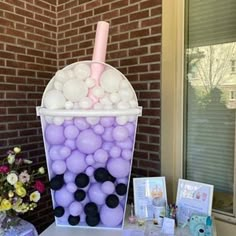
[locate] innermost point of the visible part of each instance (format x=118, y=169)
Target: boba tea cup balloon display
x=89, y=116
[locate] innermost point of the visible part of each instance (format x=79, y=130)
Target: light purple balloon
x=118, y=167
x=100, y=156
x=64, y=219
x=63, y=197
x=55, y=134
x=88, y=142
x=122, y=180
x=71, y=187
x=120, y=133
x=108, y=187
x=76, y=162
x=107, y=121
x=89, y=159
x=111, y=217
x=107, y=135
x=82, y=217
x=127, y=154
x=126, y=144
x=98, y=129
x=64, y=152
x=75, y=208
x=81, y=123
x=131, y=128
x=58, y=167
x=89, y=171
x=69, y=177
x=96, y=195
x=68, y=122
x=71, y=132
x=107, y=145
x=115, y=152
x=70, y=143
x=54, y=152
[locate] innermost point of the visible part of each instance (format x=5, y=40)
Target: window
x=233, y=66
x=198, y=120
x=232, y=95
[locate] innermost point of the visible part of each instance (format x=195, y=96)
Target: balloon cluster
x=74, y=88
x=90, y=165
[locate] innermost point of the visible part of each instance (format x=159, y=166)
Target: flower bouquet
x=20, y=189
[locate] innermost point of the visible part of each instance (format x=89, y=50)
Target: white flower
x=12, y=178
x=11, y=158
x=17, y=150
x=24, y=176
x=41, y=170
x=35, y=196
x=27, y=161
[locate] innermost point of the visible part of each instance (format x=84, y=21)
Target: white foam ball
x=93, y=120
x=110, y=80
x=124, y=84
x=60, y=76
x=121, y=120
x=54, y=99
x=123, y=105
x=69, y=105
x=133, y=103
x=105, y=101
x=58, y=85
x=114, y=97
x=69, y=74
x=85, y=103
x=82, y=71
x=126, y=94
x=58, y=120
x=98, y=92
x=75, y=89
x=98, y=106
x=90, y=82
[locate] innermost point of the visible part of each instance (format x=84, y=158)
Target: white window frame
x=172, y=109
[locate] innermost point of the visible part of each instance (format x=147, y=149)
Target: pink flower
x=24, y=177
x=39, y=186
x=4, y=169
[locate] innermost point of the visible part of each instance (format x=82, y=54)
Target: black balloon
x=79, y=195
x=81, y=180
x=121, y=189
x=59, y=211
x=57, y=182
x=91, y=209
x=101, y=175
x=93, y=220
x=112, y=201
x=73, y=220
x=111, y=178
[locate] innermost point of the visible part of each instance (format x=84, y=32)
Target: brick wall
x=27, y=62
x=37, y=37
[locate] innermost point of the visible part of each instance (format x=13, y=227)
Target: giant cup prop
x=89, y=115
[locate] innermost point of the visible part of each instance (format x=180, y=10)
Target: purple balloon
x=111, y=217
x=69, y=177
x=75, y=208
x=120, y=133
x=107, y=121
x=55, y=134
x=108, y=187
x=127, y=154
x=82, y=217
x=122, y=180
x=89, y=171
x=96, y=195
x=54, y=152
x=70, y=143
x=64, y=219
x=100, y=156
x=126, y=144
x=131, y=128
x=81, y=123
x=71, y=132
x=68, y=122
x=115, y=152
x=107, y=146
x=71, y=187
x=98, y=129
x=58, y=167
x=118, y=167
x=76, y=162
x=107, y=135
x=64, y=152
x=89, y=159
x=88, y=142
x=63, y=197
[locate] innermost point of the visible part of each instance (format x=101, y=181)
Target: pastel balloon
x=111, y=217
x=75, y=208
x=107, y=135
x=107, y=121
x=58, y=120
x=69, y=74
x=54, y=99
x=63, y=197
x=126, y=94
x=85, y=103
x=54, y=134
x=123, y=105
x=74, y=90
x=76, y=162
x=115, y=152
x=96, y=195
x=69, y=105
x=126, y=144
x=64, y=152
x=90, y=82
x=58, y=167
x=93, y=120
x=69, y=177
x=100, y=156
x=89, y=159
x=88, y=142
x=121, y=120
x=71, y=132
x=108, y=187
x=54, y=152
x=98, y=92
x=64, y=219
x=120, y=133
x=71, y=187
x=81, y=123
x=81, y=71
x=89, y=171
x=68, y=122
x=98, y=129
x=127, y=154
x=114, y=97
x=70, y=143
x=110, y=80
x=60, y=76
x=131, y=128
x=118, y=167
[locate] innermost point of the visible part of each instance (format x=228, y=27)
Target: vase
x=8, y=220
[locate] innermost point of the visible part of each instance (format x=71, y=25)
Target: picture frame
x=193, y=198
x=150, y=198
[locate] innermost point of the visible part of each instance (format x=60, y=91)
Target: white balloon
x=81, y=71
x=93, y=120
x=98, y=106
x=60, y=76
x=126, y=94
x=110, y=80
x=54, y=99
x=105, y=101
x=98, y=92
x=69, y=105
x=114, y=97
x=123, y=105
x=108, y=106
x=132, y=118
x=85, y=103
x=49, y=119
x=121, y=120
x=69, y=74
x=124, y=84
x=75, y=89
x=58, y=120
x=58, y=85
x=90, y=82
x=133, y=103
